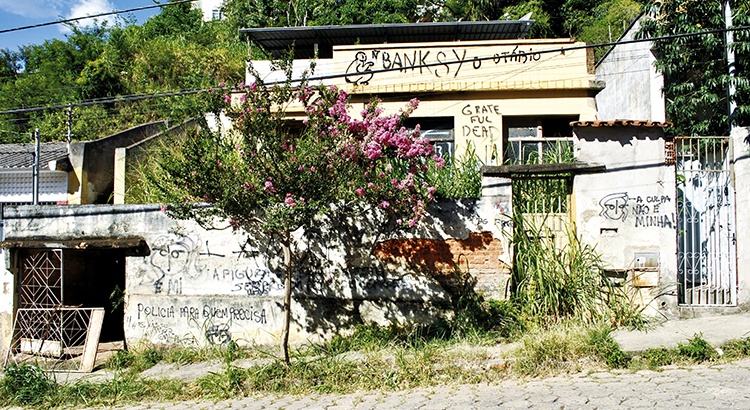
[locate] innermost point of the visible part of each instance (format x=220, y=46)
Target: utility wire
x=51, y=23
x=561, y=50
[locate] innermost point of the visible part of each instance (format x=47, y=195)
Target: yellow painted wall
x=475, y=82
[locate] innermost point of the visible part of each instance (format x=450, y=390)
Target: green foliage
x=172, y=51
x=595, y=21
x=697, y=349
x=25, y=384
x=695, y=69
x=459, y=178
x=737, y=348
x=552, y=285
x=657, y=357
x=551, y=350
x=606, y=348
x=358, y=12
x=121, y=360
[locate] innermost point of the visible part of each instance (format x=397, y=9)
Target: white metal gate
x=706, y=248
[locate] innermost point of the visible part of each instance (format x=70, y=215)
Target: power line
x=561, y=50
x=51, y=23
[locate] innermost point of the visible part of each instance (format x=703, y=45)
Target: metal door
x=706, y=248
x=41, y=279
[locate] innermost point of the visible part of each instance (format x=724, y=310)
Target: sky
x=18, y=13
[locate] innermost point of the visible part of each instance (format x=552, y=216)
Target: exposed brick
x=481, y=250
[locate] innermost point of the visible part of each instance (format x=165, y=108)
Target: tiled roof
x=621, y=123
x=22, y=155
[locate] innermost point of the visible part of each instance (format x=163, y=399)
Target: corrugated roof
x=22, y=155
x=621, y=123
x=278, y=40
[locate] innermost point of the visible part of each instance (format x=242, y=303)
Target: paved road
x=698, y=387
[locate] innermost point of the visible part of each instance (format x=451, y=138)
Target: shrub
x=26, y=384
x=606, y=348
x=698, y=349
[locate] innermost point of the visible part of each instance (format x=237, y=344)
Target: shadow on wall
x=365, y=270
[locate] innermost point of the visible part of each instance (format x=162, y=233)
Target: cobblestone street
x=724, y=386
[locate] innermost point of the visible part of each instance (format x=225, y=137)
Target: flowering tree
x=278, y=175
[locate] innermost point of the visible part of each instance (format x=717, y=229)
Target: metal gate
x=706, y=248
x=543, y=201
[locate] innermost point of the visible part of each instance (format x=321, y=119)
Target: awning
x=134, y=246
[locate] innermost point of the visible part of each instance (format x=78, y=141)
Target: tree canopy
x=696, y=75
x=175, y=50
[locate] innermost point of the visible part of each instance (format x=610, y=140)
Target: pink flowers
x=268, y=187
x=289, y=200
x=330, y=151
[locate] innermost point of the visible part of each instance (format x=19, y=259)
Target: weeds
x=26, y=384
x=697, y=349
x=606, y=348
x=458, y=178
x=371, y=358
x=545, y=351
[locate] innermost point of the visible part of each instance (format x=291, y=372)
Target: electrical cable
x=51, y=23
x=561, y=50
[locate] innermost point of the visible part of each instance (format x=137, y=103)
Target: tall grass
x=459, y=178
x=551, y=285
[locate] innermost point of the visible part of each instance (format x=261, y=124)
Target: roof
x=622, y=123
x=22, y=155
x=278, y=40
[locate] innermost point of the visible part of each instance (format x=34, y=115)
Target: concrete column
x=741, y=159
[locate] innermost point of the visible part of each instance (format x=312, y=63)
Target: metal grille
x=706, y=252
x=63, y=338
x=41, y=283
x=544, y=203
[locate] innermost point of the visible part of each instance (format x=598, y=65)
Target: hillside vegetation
x=176, y=51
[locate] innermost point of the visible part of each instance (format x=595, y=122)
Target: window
x=216, y=14
x=537, y=140
x=439, y=130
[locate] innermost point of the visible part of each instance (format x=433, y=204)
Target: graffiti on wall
x=441, y=64
x=178, y=261
x=483, y=121
x=214, y=321
x=643, y=211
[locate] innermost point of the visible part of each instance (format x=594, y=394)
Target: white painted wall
x=633, y=88
x=741, y=149
x=207, y=7
x=198, y=286
x=629, y=210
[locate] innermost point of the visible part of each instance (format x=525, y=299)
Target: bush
x=698, y=349
x=26, y=384
x=606, y=348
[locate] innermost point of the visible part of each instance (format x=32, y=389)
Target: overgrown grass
x=695, y=350
x=553, y=284
x=567, y=347
x=370, y=358
x=459, y=178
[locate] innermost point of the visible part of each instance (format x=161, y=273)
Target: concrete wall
x=476, y=83
x=199, y=286
x=633, y=88
x=629, y=211
x=127, y=158
x=92, y=179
